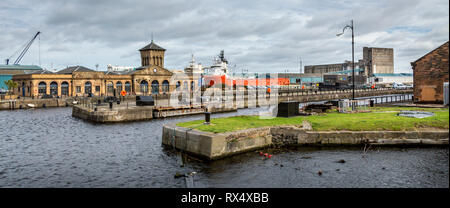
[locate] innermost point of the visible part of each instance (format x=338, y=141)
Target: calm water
x=49, y=148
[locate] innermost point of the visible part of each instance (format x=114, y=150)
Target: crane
x=24, y=51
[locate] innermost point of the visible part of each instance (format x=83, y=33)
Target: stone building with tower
x=151, y=78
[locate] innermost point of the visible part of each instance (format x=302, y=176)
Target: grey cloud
x=260, y=35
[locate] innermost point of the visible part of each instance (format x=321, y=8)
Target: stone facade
x=150, y=78
x=430, y=72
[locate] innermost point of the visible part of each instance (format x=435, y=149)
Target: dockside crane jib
x=24, y=50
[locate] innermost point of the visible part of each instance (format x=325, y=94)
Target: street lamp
x=353, y=57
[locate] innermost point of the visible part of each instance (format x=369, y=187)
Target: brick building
x=430, y=72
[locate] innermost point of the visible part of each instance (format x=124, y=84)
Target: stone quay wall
x=212, y=146
x=38, y=103
x=111, y=116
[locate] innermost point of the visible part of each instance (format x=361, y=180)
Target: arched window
x=178, y=86
x=53, y=88
x=87, y=87
x=165, y=86
x=42, y=88
x=64, y=88
x=185, y=85
x=155, y=87
x=119, y=86
x=128, y=87
x=144, y=87
x=192, y=86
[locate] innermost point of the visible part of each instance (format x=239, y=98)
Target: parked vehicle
x=399, y=86
x=410, y=86
x=145, y=101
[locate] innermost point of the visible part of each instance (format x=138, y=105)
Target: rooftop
x=70, y=70
x=19, y=67
x=152, y=46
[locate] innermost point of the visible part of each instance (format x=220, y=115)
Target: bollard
x=95, y=109
x=118, y=102
x=99, y=102
x=110, y=105
x=207, y=118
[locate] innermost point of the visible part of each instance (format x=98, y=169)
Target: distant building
x=405, y=78
x=7, y=71
x=111, y=68
x=375, y=60
x=430, y=72
x=302, y=79
x=333, y=68
x=378, y=60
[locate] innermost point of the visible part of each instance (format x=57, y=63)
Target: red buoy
x=270, y=156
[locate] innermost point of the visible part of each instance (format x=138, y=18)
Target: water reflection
x=50, y=148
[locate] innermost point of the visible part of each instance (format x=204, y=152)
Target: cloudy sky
x=261, y=36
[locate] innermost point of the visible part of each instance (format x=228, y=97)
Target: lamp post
x=353, y=58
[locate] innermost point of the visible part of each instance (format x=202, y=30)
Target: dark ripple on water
x=50, y=148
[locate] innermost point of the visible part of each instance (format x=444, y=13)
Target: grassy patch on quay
x=381, y=118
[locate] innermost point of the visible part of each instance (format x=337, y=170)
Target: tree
x=11, y=85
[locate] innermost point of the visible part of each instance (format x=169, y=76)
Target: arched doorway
x=144, y=87
x=87, y=87
x=110, y=89
x=128, y=87
x=42, y=88
x=118, y=87
x=64, y=88
x=53, y=88
x=165, y=86
x=23, y=89
x=155, y=87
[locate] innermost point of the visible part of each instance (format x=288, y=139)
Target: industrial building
x=390, y=78
x=375, y=60
x=7, y=71
x=378, y=60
